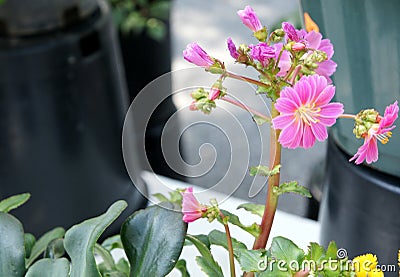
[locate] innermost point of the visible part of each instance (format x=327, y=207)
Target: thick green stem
x=273, y=181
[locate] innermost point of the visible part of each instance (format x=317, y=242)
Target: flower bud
x=277, y=35
x=198, y=94
x=261, y=35
x=364, y=121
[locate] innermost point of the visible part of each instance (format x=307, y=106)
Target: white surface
x=300, y=230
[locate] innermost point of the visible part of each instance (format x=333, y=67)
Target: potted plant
x=296, y=79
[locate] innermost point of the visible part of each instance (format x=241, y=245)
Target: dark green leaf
x=209, y=268
x=292, y=187
x=263, y=170
x=80, y=240
x=12, y=252
x=219, y=238
x=283, y=249
x=55, y=249
x=181, y=266
x=41, y=244
x=29, y=241
x=203, y=238
x=13, y=202
x=253, y=229
x=206, y=261
x=256, y=209
x=153, y=239
x=251, y=260
x=113, y=242
x=49, y=268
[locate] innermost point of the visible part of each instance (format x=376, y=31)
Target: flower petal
x=285, y=105
x=325, y=96
x=319, y=131
x=291, y=134
x=308, y=137
x=281, y=121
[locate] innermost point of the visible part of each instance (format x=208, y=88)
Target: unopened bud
x=261, y=35
x=277, y=35
x=198, y=94
x=298, y=46
x=364, y=121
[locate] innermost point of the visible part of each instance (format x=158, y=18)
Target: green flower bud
x=261, y=35
x=277, y=35
x=198, y=94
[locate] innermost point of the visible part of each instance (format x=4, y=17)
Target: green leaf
x=49, y=268
x=161, y=197
x=12, y=252
x=219, y=238
x=253, y=229
x=108, y=261
x=29, y=241
x=206, y=261
x=331, y=251
x=181, y=266
x=113, y=242
x=316, y=253
x=123, y=266
x=153, y=239
x=208, y=268
x=55, y=249
x=114, y=274
x=260, y=120
x=80, y=239
x=263, y=170
x=203, y=238
x=283, y=249
x=41, y=244
x=251, y=260
x=13, y=202
x=256, y=209
x=292, y=187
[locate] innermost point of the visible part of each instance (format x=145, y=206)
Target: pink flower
x=214, y=93
x=380, y=131
x=196, y=55
x=232, y=49
x=312, y=40
x=250, y=19
x=285, y=61
x=291, y=32
x=305, y=112
x=262, y=52
x=191, y=208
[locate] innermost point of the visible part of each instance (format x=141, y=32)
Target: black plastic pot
x=62, y=107
x=145, y=59
x=360, y=203
x=360, y=208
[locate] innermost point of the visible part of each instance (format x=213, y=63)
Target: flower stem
x=246, y=79
x=230, y=246
x=351, y=116
x=273, y=181
x=245, y=107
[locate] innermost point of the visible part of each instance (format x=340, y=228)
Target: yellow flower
x=366, y=266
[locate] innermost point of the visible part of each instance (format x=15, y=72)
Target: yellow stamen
x=384, y=138
x=308, y=114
